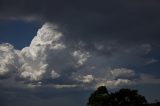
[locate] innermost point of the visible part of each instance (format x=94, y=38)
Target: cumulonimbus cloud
x=49, y=60
x=47, y=57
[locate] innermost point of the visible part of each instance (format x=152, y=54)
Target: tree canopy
x=123, y=97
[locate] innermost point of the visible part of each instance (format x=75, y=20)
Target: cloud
x=122, y=72
x=64, y=86
x=51, y=61
x=85, y=79
x=124, y=20
x=44, y=96
x=82, y=38
x=111, y=78
x=151, y=61
x=115, y=83
x=81, y=57
x=54, y=75
x=148, y=79
x=47, y=57
x=28, y=71
x=8, y=59
x=36, y=55
x=118, y=77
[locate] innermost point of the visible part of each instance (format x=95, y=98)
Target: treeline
x=123, y=97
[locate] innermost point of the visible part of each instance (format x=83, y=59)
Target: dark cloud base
x=43, y=97
x=125, y=20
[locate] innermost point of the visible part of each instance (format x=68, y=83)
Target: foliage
x=99, y=97
x=123, y=97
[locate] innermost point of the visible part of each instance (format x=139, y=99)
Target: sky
x=57, y=52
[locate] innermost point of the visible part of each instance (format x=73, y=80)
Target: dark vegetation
x=123, y=97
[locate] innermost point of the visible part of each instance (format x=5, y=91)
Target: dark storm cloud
x=123, y=20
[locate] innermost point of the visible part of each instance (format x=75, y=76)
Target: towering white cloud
x=8, y=59
x=46, y=57
x=36, y=55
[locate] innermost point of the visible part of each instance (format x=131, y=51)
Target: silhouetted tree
x=127, y=97
x=123, y=97
x=99, y=98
